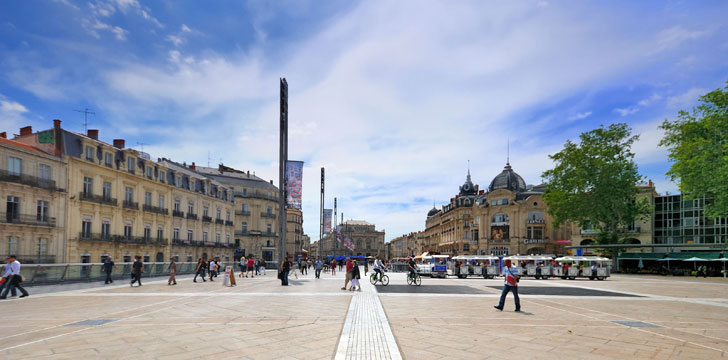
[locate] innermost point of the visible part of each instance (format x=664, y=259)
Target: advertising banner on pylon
x=327, y=221
x=294, y=183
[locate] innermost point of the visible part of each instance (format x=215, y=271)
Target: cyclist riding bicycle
x=378, y=267
x=411, y=267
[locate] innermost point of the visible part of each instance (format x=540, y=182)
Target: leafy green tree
x=594, y=184
x=697, y=142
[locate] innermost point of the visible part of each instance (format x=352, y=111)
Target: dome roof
x=468, y=188
x=433, y=212
x=509, y=180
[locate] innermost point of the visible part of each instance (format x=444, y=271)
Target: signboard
x=46, y=137
x=294, y=183
x=229, y=278
x=327, y=221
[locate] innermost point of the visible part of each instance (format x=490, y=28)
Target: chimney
x=25, y=131
x=56, y=124
x=651, y=184
x=119, y=143
x=4, y=135
x=93, y=133
x=58, y=139
x=192, y=167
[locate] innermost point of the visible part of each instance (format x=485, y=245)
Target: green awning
x=707, y=255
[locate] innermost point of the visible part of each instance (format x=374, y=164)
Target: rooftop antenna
x=85, y=113
x=508, y=151
x=141, y=145
x=208, y=158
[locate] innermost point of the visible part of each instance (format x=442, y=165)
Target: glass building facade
x=679, y=220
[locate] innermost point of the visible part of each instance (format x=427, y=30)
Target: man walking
x=304, y=265
x=136, y=271
x=6, y=280
x=200, y=270
x=285, y=268
x=14, y=278
x=349, y=268
x=511, y=285
x=172, y=268
x=251, y=267
x=317, y=268
x=108, y=269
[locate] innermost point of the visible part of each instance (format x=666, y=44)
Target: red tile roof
x=19, y=144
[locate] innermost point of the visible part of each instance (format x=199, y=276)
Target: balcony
x=206, y=218
x=228, y=223
x=242, y=232
x=535, y=221
x=220, y=221
x=130, y=205
x=29, y=180
x=157, y=241
x=95, y=237
x=23, y=219
x=106, y=200
x=242, y=213
x=256, y=195
x=178, y=213
x=268, y=215
x=191, y=216
x=155, y=209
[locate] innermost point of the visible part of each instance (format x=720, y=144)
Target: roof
x=20, y=145
x=509, y=180
x=235, y=178
x=356, y=222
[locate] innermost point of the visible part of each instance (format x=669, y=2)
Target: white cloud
x=580, y=116
x=686, y=99
x=12, y=106
x=179, y=38
x=67, y=3
x=627, y=111
x=650, y=100
x=676, y=35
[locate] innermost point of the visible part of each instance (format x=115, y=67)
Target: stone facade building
x=405, y=245
x=368, y=241
x=33, y=186
x=452, y=229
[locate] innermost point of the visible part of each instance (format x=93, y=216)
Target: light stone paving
x=314, y=319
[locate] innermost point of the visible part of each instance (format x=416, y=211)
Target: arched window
x=586, y=242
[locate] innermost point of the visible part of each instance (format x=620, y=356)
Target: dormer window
x=107, y=159
x=130, y=164
x=89, y=153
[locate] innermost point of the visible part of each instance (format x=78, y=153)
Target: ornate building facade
x=452, y=229
x=368, y=241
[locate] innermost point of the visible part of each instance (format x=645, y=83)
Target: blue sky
x=393, y=98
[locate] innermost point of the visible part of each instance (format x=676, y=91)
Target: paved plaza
x=623, y=317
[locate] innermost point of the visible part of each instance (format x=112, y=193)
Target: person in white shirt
x=14, y=277
x=379, y=267
x=511, y=285
x=6, y=281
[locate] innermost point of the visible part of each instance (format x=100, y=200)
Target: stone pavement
x=631, y=317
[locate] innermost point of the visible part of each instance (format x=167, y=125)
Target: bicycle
x=384, y=279
x=414, y=280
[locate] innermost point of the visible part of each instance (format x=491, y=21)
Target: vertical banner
x=294, y=183
x=327, y=221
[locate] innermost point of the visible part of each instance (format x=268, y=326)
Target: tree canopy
x=697, y=143
x=594, y=183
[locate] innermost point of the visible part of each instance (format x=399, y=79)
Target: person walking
x=304, y=267
x=349, y=268
x=200, y=270
x=243, y=263
x=355, y=275
x=172, y=268
x=14, y=278
x=136, y=271
x=5, y=282
x=108, y=268
x=261, y=265
x=251, y=267
x=257, y=267
x=317, y=268
x=511, y=285
x=333, y=267
x=285, y=268
x=212, y=267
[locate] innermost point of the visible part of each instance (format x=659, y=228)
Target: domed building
x=512, y=219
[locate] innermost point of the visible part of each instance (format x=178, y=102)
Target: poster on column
x=327, y=221
x=294, y=183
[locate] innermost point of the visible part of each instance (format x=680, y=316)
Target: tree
x=594, y=183
x=697, y=142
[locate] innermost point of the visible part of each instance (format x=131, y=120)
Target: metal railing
x=229, y=223
x=29, y=180
x=242, y=213
x=206, y=218
x=268, y=215
x=100, y=199
x=191, y=216
x=178, y=213
x=199, y=243
x=155, y=209
x=46, y=274
x=131, y=205
x=255, y=194
x=25, y=219
x=220, y=221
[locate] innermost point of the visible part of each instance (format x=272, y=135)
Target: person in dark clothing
x=285, y=268
x=108, y=269
x=136, y=271
x=200, y=270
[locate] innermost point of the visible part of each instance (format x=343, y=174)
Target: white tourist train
x=581, y=267
x=474, y=265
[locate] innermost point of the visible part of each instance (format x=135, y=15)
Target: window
x=105, y=229
x=189, y=257
x=205, y=210
x=160, y=234
x=270, y=210
x=245, y=227
x=42, y=249
x=219, y=214
x=86, y=227
x=129, y=194
x=12, y=245
x=162, y=176
x=147, y=233
x=15, y=165
x=227, y=215
x=130, y=164
x=42, y=214
x=500, y=218
x=269, y=228
x=175, y=234
x=245, y=208
x=88, y=186
x=191, y=208
x=217, y=237
x=204, y=236
x=161, y=201
x=227, y=238
x=146, y=258
x=149, y=172
x=13, y=209
x=127, y=231
x=245, y=191
x=148, y=198
x=89, y=153
x=44, y=172
x=178, y=181
x=176, y=205
x=107, y=190
x=190, y=234
x=107, y=159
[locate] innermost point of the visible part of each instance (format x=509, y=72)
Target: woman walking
x=242, y=266
x=355, y=275
x=172, y=268
x=136, y=271
x=200, y=270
